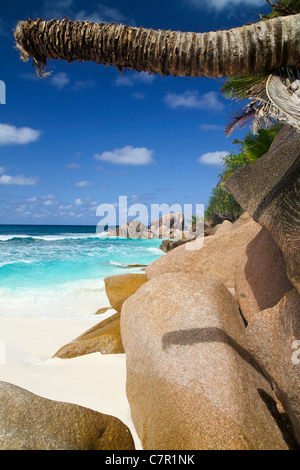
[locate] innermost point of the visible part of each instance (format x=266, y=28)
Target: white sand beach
x=94, y=381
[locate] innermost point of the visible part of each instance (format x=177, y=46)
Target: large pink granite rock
x=218, y=257
x=191, y=383
x=30, y=422
x=260, y=278
x=274, y=337
x=269, y=190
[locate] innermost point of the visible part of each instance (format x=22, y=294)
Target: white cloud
x=60, y=80
x=132, y=77
x=211, y=127
x=212, y=158
x=2, y=170
x=138, y=95
x=32, y=199
x=57, y=8
x=71, y=166
x=127, y=156
x=192, y=99
x=19, y=180
x=84, y=84
x=10, y=135
x=104, y=14
x=79, y=202
x=3, y=31
x=225, y=4
x=83, y=184
x=48, y=203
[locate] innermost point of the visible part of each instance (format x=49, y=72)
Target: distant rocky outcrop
x=30, y=422
x=167, y=226
x=191, y=383
x=132, y=229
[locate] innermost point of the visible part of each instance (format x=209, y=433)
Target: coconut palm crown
x=273, y=96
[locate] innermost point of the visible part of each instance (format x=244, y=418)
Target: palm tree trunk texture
x=250, y=49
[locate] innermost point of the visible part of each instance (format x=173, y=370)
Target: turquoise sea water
x=42, y=263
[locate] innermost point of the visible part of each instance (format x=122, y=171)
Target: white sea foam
x=116, y=263
x=51, y=238
x=76, y=299
x=17, y=261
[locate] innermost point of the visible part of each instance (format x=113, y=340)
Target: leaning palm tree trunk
x=250, y=49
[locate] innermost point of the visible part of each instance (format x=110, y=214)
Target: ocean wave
x=119, y=265
x=20, y=261
x=154, y=249
x=50, y=238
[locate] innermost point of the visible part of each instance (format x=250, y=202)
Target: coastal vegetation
x=222, y=204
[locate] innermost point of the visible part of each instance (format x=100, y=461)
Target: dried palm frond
x=273, y=97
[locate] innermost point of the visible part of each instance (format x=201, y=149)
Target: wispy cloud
x=131, y=78
x=57, y=8
x=11, y=135
x=59, y=80
x=78, y=202
x=127, y=156
x=104, y=14
x=219, y=5
x=82, y=184
x=213, y=158
x=72, y=166
x=32, y=199
x=193, y=100
x=19, y=180
x=211, y=127
x=100, y=13
x=84, y=84
x=138, y=95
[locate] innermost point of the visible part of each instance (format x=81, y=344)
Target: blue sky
x=87, y=134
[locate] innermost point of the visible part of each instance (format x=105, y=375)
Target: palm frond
x=283, y=8
x=272, y=98
x=239, y=119
x=238, y=87
x=285, y=104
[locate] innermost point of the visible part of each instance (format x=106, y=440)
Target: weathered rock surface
x=224, y=227
x=168, y=222
x=102, y=310
x=191, y=383
x=218, y=257
x=30, y=422
x=245, y=218
x=260, y=278
x=168, y=245
x=271, y=336
x=118, y=288
x=269, y=190
x=104, y=338
x=132, y=229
